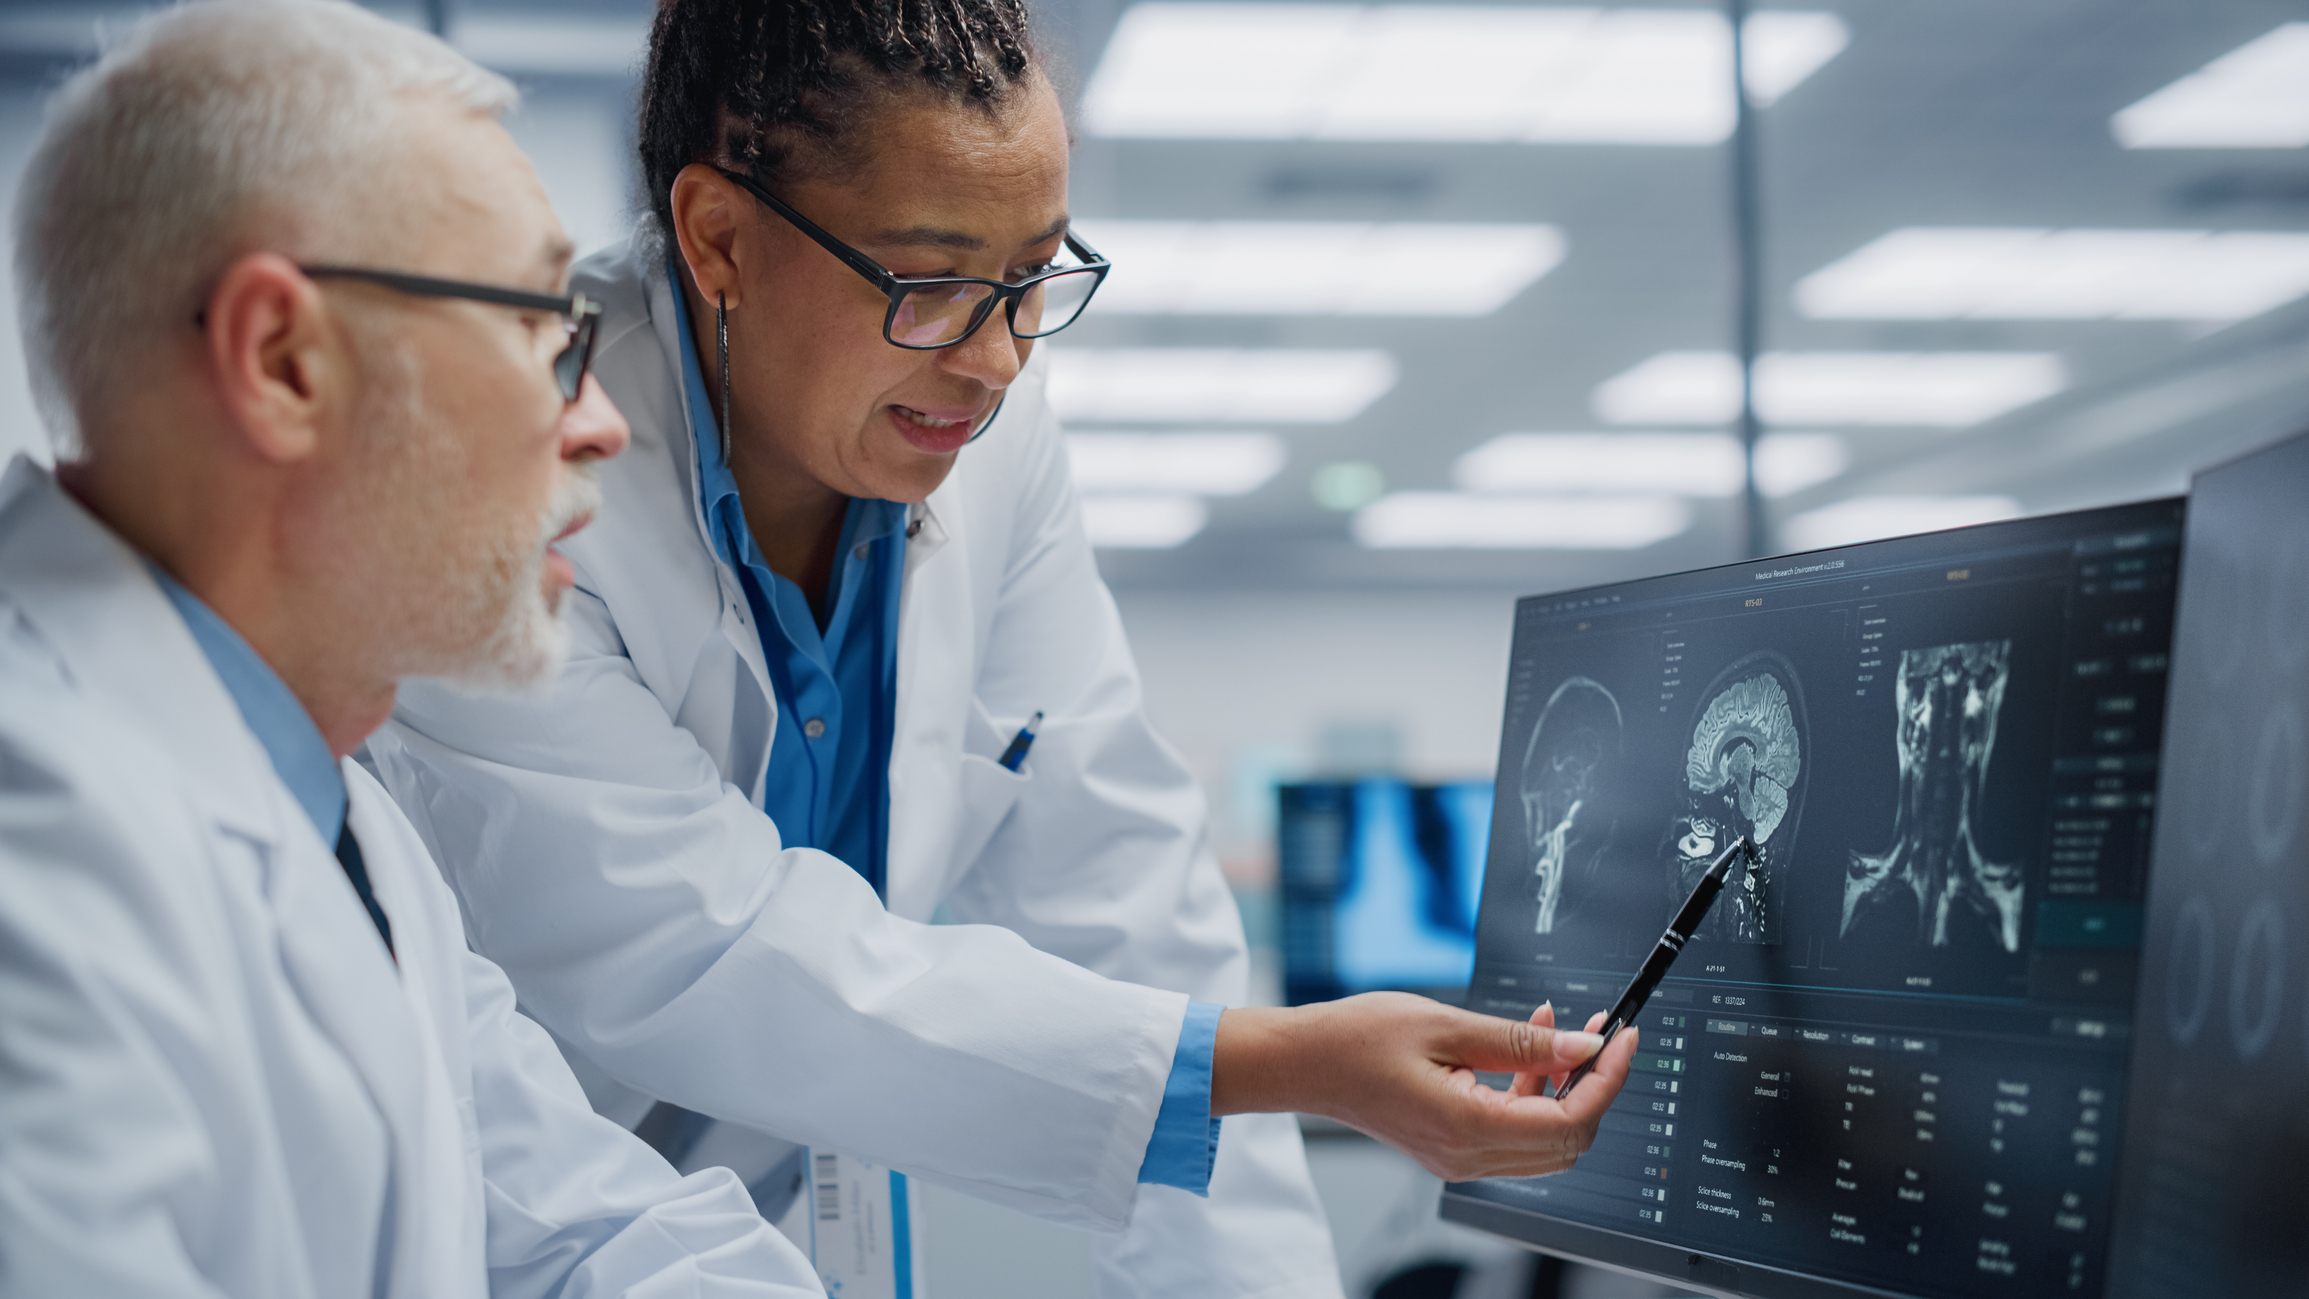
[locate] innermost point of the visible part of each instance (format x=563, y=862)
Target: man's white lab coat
x=213, y=1079
x=608, y=843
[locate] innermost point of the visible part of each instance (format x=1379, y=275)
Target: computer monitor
x=1379, y=885
x=1894, y=1058
x=2213, y=1192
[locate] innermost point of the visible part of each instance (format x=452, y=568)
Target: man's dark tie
x=349, y=857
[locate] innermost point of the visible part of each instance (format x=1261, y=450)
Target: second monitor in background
x=1380, y=883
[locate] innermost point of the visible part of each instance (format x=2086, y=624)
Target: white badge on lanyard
x=865, y=1228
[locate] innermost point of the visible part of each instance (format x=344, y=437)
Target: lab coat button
x=814, y=727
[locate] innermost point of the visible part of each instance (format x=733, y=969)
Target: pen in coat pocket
x=1014, y=757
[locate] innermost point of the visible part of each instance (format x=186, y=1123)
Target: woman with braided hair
x=843, y=661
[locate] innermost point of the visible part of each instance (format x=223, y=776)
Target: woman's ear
x=705, y=226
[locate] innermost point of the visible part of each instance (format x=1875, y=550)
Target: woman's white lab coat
x=213, y=1080
x=607, y=842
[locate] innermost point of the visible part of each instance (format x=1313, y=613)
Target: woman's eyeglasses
x=581, y=313
x=930, y=312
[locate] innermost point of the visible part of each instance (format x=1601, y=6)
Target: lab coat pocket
x=989, y=792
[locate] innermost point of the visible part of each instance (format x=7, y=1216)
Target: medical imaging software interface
x=1895, y=1052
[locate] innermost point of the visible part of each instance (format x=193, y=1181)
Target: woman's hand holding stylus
x=1539, y=1084
x=1403, y=1069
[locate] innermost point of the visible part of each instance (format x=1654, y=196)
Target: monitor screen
x=1379, y=884
x=2213, y=1196
x=1893, y=1059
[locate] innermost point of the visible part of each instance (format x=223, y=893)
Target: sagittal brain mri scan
x=1892, y=1058
x=1933, y=885
x=1743, y=775
x=1573, y=748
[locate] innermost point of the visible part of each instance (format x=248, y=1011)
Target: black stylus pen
x=1639, y=991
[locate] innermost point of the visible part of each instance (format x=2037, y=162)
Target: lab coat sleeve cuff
x=1186, y=1137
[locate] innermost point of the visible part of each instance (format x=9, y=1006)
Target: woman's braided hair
x=750, y=83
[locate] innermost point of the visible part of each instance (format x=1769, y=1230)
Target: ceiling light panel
x=1207, y=464
x=1442, y=72
x=1935, y=273
x=1934, y=389
x=1143, y=521
x=1869, y=518
x=2254, y=97
x=1216, y=385
x=1686, y=464
x=1462, y=521
x=1343, y=268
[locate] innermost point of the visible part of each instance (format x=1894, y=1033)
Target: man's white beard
x=458, y=592
x=527, y=647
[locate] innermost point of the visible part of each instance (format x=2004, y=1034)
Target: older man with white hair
x=295, y=311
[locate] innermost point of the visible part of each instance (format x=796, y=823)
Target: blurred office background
x=1419, y=308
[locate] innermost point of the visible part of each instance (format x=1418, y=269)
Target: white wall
x=577, y=142
x=1246, y=684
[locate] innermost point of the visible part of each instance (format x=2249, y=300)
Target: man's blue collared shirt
x=273, y=712
x=828, y=784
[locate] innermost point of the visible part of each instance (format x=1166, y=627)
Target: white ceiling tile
x=1926, y=389
x=1868, y=518
x=1143, y=521
x=1346, y=268
x=1216, y=385
x=1190, y=70
x=1928, y=273
x=2254, y=97
x=1464, y=521
x=1206, y=464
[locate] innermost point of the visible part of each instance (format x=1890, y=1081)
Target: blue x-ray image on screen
x=1381, y=880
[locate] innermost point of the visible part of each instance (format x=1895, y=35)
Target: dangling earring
x=722, y=350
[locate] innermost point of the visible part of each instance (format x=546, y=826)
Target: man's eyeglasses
x=582, y=313
x=927, y=313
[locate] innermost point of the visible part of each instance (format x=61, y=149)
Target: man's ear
x=705, y=223
x=270, y=355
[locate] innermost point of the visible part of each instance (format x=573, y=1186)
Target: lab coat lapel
x=436, y=1157
x=89, y=595
x=934, y=694
x=335, y=961
x=744, y=749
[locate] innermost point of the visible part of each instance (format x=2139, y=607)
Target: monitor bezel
x=1700, y=1270
x=1707, y=1273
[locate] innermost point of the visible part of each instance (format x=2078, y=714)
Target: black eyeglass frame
x=583, y=313
x=896, y=287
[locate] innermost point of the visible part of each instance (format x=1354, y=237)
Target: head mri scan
x=1576, y=742
x=1933, y=885
x=1743, y=774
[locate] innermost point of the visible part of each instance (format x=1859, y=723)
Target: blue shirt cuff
x=1186, y=1137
